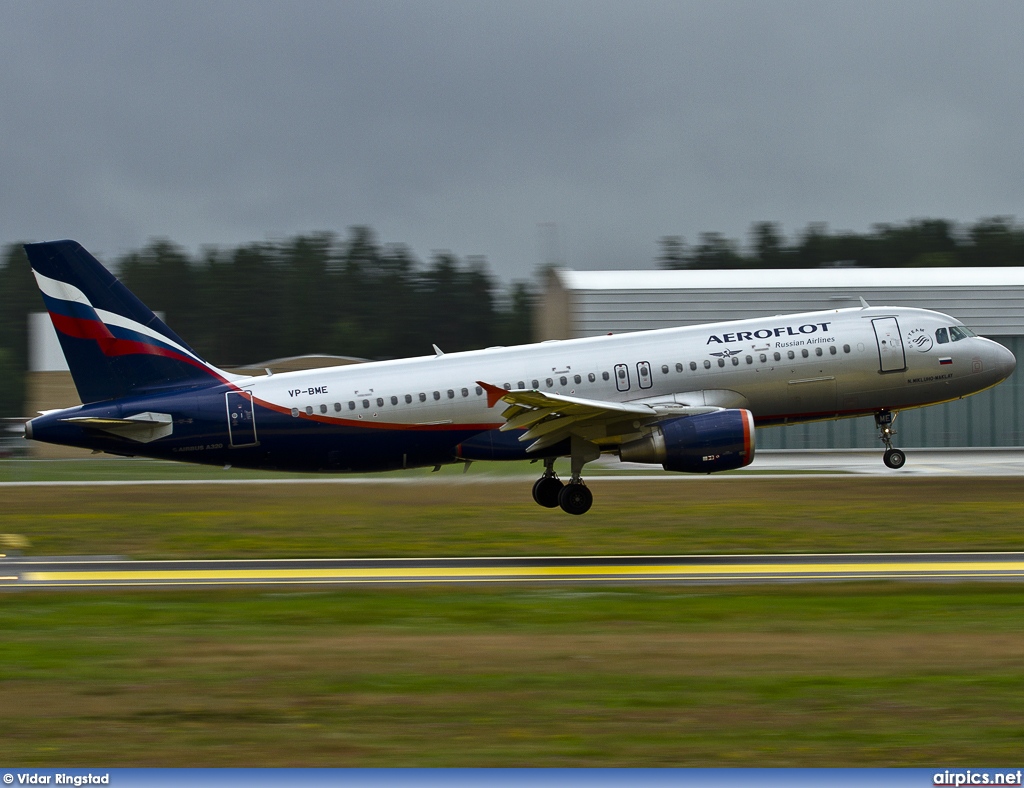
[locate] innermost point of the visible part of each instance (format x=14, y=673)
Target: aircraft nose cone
x=1007, y=362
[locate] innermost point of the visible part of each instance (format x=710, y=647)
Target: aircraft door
x=622, y=377
x=241, y=419
x=891, y=356
x=643, y=374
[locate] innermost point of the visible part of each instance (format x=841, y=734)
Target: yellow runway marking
x=751, y=571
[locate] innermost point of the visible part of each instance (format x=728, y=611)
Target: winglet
x=437, y=351
x=494, y=393
x=864, y=304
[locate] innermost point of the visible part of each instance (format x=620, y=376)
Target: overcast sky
x=477, y=127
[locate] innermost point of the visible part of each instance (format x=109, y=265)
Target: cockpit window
x=941, y=336
x=957, y=333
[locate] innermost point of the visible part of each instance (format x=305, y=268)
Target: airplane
x=688, y=399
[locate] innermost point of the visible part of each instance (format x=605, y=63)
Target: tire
x=894, y=458
x=546, y=490
x=575, y=499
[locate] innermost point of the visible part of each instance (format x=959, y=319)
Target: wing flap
x=548, y=418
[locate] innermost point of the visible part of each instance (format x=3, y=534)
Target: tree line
x=308, y=294
x=353, y=296
x=922, y=243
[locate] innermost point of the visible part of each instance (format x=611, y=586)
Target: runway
x=28, y=573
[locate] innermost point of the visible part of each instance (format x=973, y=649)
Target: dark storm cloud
x=466, y=125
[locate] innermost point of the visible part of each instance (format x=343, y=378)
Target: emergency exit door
x=891, y=355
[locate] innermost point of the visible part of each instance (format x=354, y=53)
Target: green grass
x=876, y=675
x=455, y=516
x=840, y=674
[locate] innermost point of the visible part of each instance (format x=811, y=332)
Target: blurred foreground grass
x=455, y=515
x=840, y=674
x=858, y=674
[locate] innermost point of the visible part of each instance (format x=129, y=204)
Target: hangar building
x=988, y=300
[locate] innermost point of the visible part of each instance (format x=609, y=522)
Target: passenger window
x=437, y=394
x=451, y=393
x=707, y=364
x=832, y=349
x=750, y=360
x=323, y=408
x=764, y=358
x=394, y=400
x=465, y=392
x=535, y=384
x=408, y=399
x=735, y=361
x=721, y=362
x=508, y=387
x=366, y=403
x=846, y=348
x=604, y=376
x=693, y=366
x=521, y=385
x=791, y=354
x=679, y=367
x=563, y=380
x=351, y=405
x=804, y=353
x=380, y=402
x=664, y=369
x=817, y=351
x=549, y=383
x=479, y=391
x=592, y=377
x=337, y=407
x=577, y=378
x=295, y=413
x=778, y=356
x=423, y=397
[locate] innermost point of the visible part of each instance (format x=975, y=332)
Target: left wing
x=549, y=418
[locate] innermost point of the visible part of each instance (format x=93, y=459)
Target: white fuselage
x=816, y=365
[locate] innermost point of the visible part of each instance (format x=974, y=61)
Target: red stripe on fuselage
x=373, y=425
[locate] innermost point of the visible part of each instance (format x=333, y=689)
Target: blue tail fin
x=114, y=345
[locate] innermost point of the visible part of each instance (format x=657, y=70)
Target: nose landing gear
x=893, y=458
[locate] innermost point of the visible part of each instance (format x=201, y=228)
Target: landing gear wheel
x=575, y=498
x=546, y=490
x=894, y=458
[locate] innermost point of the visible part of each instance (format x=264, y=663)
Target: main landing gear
x=575, y=497
x=893, y=458
x=548, y=487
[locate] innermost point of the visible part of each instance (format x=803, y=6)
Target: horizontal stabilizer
x=142, y=427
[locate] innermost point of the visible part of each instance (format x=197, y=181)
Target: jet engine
x=709, y=442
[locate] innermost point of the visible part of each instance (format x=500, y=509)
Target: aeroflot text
x=768, y=333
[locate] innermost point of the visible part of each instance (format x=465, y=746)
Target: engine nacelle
x=709, y=442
